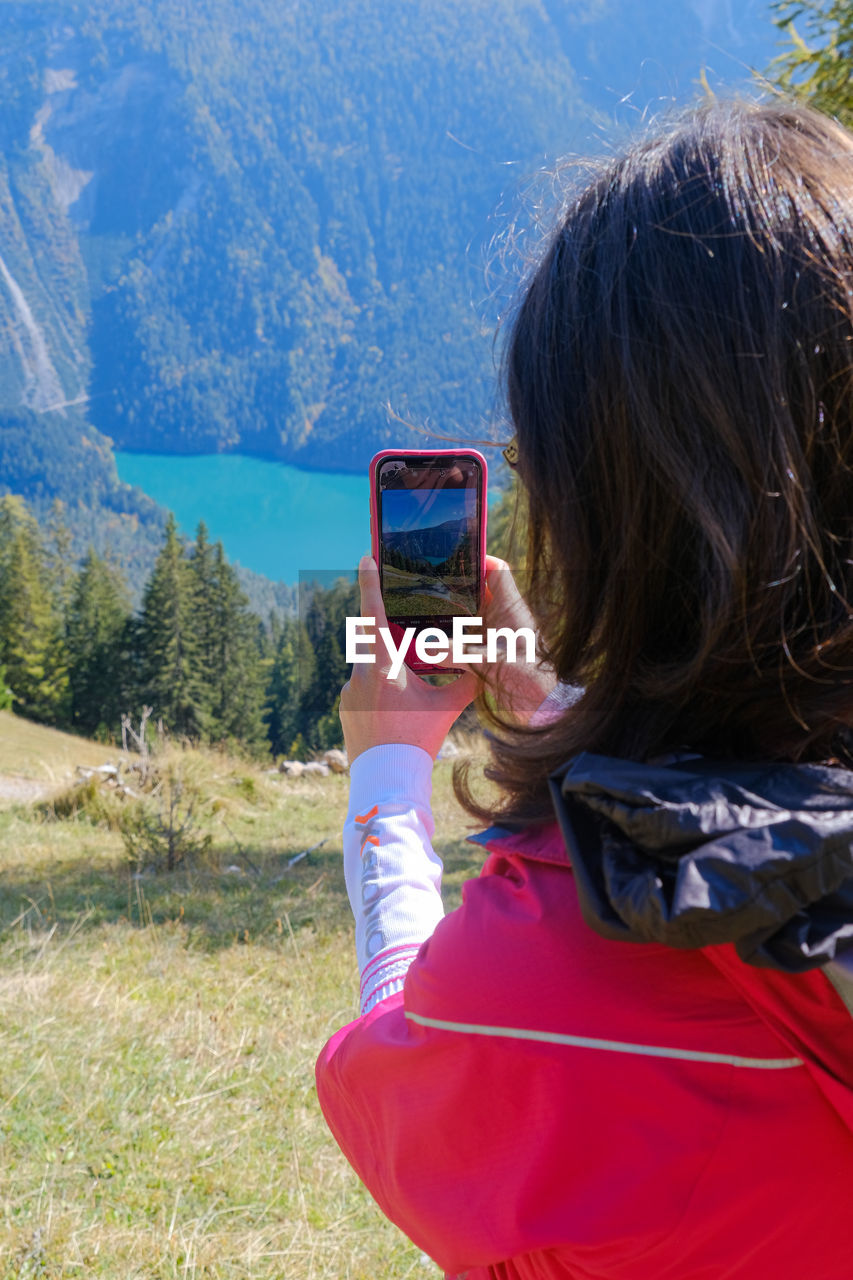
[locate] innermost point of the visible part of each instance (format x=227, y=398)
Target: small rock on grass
x=336, y=760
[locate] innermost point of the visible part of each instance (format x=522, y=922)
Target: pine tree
x=818, y=64
x=97, y=636
x=324, y=622
x=229, y=649
x=32, y=647
x=508, y=526
x=328, y=731
x=329, y=676
x=202, y=564
x=59, y=555
x=291, y=675
x=171, y=666
x=240, y=707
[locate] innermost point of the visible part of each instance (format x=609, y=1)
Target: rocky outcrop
x=44, y=362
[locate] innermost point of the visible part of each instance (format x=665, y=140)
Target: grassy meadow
x=158, y=1116
x=29, y=750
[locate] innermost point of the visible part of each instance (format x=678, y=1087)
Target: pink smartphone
x=428, y=538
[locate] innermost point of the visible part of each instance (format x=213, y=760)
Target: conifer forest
x=73, y=653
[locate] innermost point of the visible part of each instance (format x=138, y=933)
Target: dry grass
x=33, y=751
x=159, y=1116
x=158, y=1034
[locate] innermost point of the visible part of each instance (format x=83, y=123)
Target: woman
x=628, y=1053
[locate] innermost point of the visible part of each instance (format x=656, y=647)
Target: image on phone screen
x=429, y=513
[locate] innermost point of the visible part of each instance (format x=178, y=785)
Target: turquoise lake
x=275, y=519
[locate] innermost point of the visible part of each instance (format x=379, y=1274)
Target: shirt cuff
x=395, y=769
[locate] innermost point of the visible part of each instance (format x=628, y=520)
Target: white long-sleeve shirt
x=393, y=875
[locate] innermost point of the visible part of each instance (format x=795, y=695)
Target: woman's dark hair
x=680, y=377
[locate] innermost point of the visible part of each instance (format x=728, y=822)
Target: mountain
x=254, y=226
x=260, y=215
x=437, y=541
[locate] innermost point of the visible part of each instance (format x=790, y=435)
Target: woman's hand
x=376, y=711
x=519, y=687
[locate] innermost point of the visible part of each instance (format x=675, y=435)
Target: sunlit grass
x=157, y=1108
x=34, y=751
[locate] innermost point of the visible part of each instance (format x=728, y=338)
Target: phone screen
x=430, y=511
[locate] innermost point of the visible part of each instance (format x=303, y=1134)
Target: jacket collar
x=538, y=844
x=702, y=853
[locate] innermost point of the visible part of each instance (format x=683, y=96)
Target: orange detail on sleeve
x=367, y=816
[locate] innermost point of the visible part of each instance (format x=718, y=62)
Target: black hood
x=698, y=853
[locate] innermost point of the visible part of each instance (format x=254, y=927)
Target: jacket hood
x=752, y=863
x=698, y=853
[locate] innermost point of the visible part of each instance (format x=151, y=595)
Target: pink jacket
x=539, y=1101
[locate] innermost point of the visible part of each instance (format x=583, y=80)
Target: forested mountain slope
x=253, y=225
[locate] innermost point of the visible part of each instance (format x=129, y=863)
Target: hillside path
x=22, y=790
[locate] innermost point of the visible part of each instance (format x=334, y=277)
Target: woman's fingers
x=505, y=605
x=372, y=604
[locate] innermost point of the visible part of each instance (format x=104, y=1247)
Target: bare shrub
x=164, y=830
